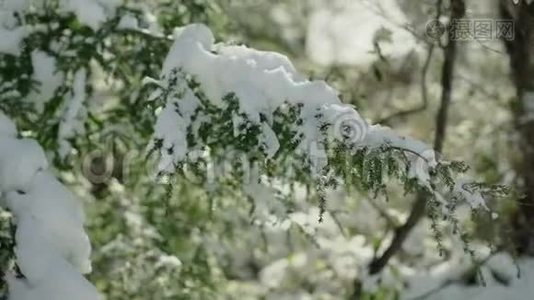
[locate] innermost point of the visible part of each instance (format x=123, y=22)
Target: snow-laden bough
x=220, y=98
x=52, y=249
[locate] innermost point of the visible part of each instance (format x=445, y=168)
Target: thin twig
x=418, y=209
x=424, y=92
x=391, y=222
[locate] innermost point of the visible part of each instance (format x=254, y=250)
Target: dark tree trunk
x=521, y=52
x=457, y=12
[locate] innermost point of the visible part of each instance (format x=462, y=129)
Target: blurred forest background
x=473, y=100
x=472, y=97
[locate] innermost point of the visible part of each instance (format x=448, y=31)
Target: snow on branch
x=262, y=83
x=52, y=249
x=219, y=98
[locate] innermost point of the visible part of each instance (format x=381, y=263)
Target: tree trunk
x=521, y=52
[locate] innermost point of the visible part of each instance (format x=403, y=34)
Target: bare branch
x=424, y=92
x=418, y=209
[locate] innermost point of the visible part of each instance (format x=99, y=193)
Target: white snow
x=269, y=140
x=7, y=128
x=472, y=196
x=15, y=5
x=56, y=210
x=171, y=128
x=75, y=112
x=52, y=248
x=10, y=32
x=445, y=282
x=128, y=22
x=45, y=72
x=11, y=40
x=92, y=13
x=20, y=160
x=262, y=81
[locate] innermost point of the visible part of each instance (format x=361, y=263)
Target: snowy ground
x=504, y=280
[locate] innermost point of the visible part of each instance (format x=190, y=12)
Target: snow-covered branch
x=220, y=98
x=52, y=249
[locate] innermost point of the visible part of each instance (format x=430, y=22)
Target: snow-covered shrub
x=66, y=69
